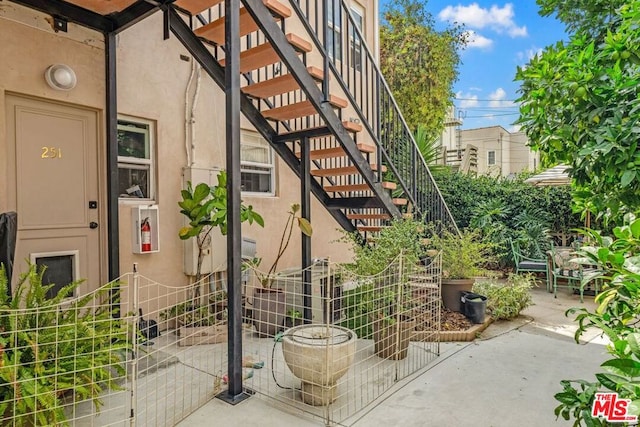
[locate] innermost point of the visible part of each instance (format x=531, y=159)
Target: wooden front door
x=53, y=184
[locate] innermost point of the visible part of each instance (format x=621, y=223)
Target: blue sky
x=504, y=35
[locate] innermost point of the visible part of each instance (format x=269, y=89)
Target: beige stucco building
x=499, y=152
x=81, y=209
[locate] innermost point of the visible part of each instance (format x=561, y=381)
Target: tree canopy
x=419, y=63
x=580, y=103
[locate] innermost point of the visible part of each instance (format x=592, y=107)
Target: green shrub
x=52, y=351
x=507, y=300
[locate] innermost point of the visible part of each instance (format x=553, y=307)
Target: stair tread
x=370, y=228
x=214, y=31
x=194, y=7
x=358, y=187
x=278, y=85
x=369, y=216
x=327, y=153
x=400, y=201
x=345, y=170
x=264, y=54
x=299, y=109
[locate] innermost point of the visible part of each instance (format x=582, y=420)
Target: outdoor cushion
x=568, y=272
x=532, y=265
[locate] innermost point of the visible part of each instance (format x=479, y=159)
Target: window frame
x=254, y=140
x=335, y=52
x=355, y=49
x=139, y=163
x=495, y=162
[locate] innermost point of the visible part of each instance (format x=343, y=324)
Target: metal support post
x=305, y=201
x=234, y=394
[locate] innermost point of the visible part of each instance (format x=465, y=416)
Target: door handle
x=93, y=225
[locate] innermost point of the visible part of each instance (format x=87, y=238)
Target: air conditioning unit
x=325, y=287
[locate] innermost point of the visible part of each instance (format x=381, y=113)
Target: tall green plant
x=52, y=351
x=206, y=209
x=618, y=265
x=579, y=102
x=464, y=255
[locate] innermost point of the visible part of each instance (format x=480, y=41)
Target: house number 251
x=51, y=153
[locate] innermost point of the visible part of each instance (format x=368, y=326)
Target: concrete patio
x=506, y=377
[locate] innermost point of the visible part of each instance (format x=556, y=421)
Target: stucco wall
x=151, y=84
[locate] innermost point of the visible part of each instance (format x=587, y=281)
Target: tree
x=419, y=63
x=580, y=103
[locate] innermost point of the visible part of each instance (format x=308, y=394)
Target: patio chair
x=524, y=263
x=573, y=273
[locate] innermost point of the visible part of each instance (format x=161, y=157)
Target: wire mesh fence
x=138, y=352
x=63, y=359
x=365, y=334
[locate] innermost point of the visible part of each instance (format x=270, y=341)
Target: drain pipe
x=187, y=142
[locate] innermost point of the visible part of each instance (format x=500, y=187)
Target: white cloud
x=529, y=54
x=514, y=128
x=497, y=99
x=467, y=100
x=478, y=41
x=499, y=19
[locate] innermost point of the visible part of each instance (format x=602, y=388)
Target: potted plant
x=376, y=309
x=206, y=209
x=269, y=303
x=463, y=256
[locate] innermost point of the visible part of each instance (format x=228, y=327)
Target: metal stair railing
x=355, y=69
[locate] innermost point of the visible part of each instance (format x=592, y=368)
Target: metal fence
x=138, y=352
x=366, y=335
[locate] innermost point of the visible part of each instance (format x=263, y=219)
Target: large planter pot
x=451, y=289
x=391, y=340
x=319, y=355
x=268, y=311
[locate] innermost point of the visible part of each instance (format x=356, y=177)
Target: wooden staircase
x=282, y=98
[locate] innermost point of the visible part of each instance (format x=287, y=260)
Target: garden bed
x=455, y=327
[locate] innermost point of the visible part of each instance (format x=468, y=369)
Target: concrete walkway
x=507, y=377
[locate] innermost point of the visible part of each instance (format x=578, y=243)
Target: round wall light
x=60, y=77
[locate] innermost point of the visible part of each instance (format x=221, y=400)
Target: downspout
x=188, y=143
x=192, y=118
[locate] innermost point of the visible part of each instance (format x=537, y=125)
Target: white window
x=491, y=158
x=136, y=171
x=257, y=167
x=334, y=36
x=355, y=41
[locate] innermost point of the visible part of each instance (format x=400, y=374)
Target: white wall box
x=140, y=214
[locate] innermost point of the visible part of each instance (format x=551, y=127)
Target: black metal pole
x=113, y=241
x=232, y=97
x=305, y=201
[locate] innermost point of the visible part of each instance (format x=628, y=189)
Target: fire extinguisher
x=145, y=231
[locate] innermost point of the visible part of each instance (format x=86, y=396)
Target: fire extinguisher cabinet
x=145, y=237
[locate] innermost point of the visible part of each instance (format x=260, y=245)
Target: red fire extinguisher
x=145, y=231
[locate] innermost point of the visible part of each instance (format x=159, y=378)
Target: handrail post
x=325, y=39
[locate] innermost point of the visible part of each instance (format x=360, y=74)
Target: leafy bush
x=508, y=209
x=50, y=351
x=617, y=315
x=507, y=300
x=463, y=255
x=402, y=235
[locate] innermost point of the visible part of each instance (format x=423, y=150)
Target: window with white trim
x=334, y=35
x=136, y=169
x=355, y=42
x=257, y=166
x=491, y=158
